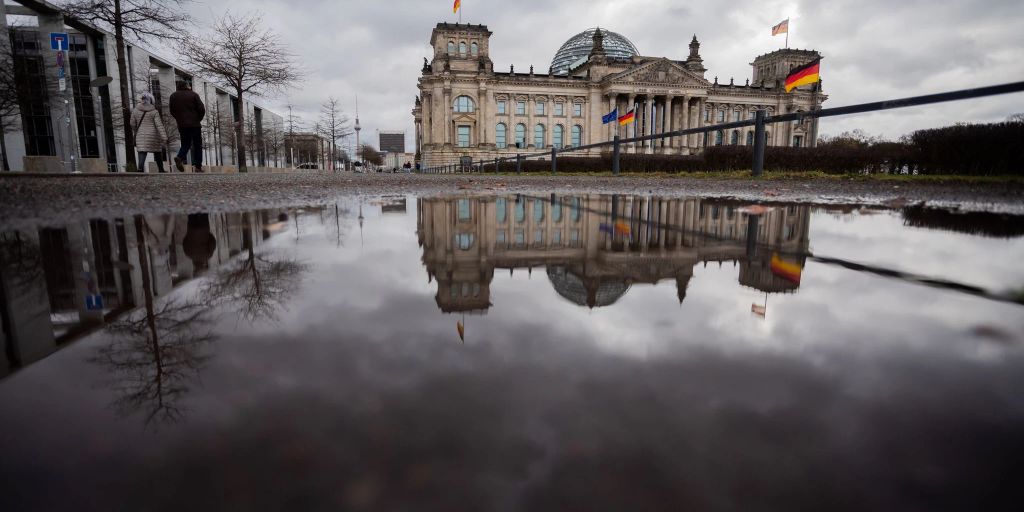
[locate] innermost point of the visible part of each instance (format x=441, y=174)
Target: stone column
x=670, y=124
x=684, y=118
x=648, y=127
x=612, y=105
x=629, y=106
x=549, y=132
x=531, y=107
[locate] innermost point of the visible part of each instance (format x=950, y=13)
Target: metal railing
x=760, y=120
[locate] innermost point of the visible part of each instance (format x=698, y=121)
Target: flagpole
x=787, y=33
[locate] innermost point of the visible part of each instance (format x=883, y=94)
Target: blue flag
x=611, y=117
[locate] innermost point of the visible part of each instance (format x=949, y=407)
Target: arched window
x=520, y=211
x=500, y=134
x=474, y=49
x=464, y=104
x=734, y=139
x=556, y=212
x=500, y=210
x=538, y=136
x=538, y=210
x=451, y=47
x=462, y=48
x=767, y=137
x=750, y=138
x=558, y=136
x=718, y=137
x=521, y=135
x=577, y=136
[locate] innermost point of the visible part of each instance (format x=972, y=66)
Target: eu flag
x=611, y=117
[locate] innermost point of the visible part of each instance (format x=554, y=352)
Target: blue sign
x=58, y=40
x=60, y=72
x=94, y=302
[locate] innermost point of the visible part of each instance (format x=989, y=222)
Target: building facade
x=83, y=123
x=468, y=110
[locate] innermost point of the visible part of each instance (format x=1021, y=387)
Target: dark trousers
x=158, y=156
x=192, y=138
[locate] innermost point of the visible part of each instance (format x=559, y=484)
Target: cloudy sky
x=873, y=49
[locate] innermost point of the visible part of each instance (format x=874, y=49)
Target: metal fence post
x=554, y=161
x=615, y=156
x=497, y=162
x=759, y=143
x=519, y=163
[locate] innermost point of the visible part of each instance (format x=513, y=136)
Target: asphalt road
x=29, y=200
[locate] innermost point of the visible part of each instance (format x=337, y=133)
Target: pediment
x=661, y=71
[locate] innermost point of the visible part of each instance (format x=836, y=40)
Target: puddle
x=514, y=352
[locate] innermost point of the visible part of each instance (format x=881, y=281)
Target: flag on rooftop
x=781, y=28
x=456, y=6
x=804, y=75
x=611, y=116
x=629, y=117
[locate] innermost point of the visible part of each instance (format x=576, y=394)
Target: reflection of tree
x=21, y=256
x=256, y=286
x=154, y=353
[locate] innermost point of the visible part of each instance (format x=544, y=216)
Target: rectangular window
x=798, y=141
x=707, y=115
x=501, y=107
x=501, y=236
x=538, y=236
x=721, y=116
x=736, y=115
x=559, y=109
x=577, y=109
x=463, y=138
x=464, y=213
x=520, y=108
x=520, y=237
x=574, y=237
x=556, y=237
x=540, y=108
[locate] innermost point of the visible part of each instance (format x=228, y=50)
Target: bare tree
x=257, y=286
x=274, y=138
x=9, y=97
x=244, y=57
x=371, y=155
x=136, y=19
x=334, y=126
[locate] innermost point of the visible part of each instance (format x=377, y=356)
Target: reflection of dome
x=593, y=293
x=576, y=50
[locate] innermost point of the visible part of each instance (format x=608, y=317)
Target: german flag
x=456, y=5
x=789, y=271
x=629, y=117
x=804, y=75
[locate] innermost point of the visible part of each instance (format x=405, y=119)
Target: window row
x=540, y=108
x=519, y=238
x=538, y=209
x=539, y=136
x=474, y=48
x=465, y=104
x=734, y=137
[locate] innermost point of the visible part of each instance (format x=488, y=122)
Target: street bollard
x=554, y=161
x=615, y=156
x=759, y=142
x=519, y=163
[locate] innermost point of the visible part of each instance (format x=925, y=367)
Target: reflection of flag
x=459, y=325
x=781, y=28
x=758, y=309
x=786, y=270
x=605, y=228
x=804, y=75
x=455, y=8
x=621, y=228
x=629, y=117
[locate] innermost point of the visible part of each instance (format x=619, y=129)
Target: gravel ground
x=26, y=200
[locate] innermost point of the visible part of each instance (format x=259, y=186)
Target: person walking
x=150, y=134
x=188, y=110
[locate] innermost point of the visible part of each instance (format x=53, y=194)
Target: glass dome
x=576, y=50
x=604, y=292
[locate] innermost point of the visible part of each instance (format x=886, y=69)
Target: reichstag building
x=466, y=109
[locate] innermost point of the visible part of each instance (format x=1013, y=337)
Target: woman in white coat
x=150, y=134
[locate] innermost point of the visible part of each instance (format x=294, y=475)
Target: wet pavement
x=514, y=352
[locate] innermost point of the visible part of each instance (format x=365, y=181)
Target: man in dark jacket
x=188, y=110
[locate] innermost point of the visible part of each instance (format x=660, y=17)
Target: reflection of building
x=595, y=247
x=468, y=109
x=48, y=275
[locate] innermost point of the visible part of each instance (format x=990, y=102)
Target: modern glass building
x=576, y=50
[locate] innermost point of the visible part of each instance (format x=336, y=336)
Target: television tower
x=359, y=147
